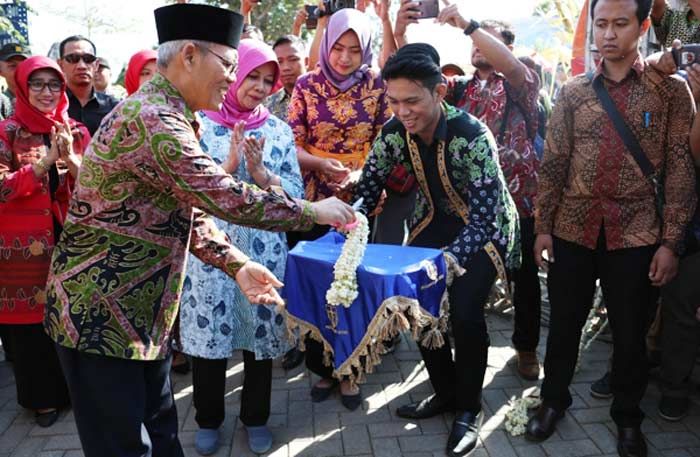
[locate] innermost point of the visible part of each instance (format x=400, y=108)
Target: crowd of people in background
x=592, y=181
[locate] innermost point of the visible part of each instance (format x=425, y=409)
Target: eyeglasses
x=75, y=58
x=37, y=85
x=229, y=67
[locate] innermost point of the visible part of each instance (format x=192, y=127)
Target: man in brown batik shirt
x=596, y=218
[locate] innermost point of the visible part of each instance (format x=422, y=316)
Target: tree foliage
x=273, y=17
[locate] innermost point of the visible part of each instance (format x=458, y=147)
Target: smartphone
x=687, y=55
x=429, y=8
x=312, y=20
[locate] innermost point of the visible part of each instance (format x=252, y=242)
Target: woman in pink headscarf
x=215, y=317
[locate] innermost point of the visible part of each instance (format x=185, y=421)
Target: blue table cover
x=400, y=288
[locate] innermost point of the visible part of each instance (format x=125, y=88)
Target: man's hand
x=248, y=5
x=450, y=15
x=544, y=243
x=664, y=61
x=408, y=14
x=381, y=8
x=664, y=267
x=300, y=20
x=697, y=314
x=332, y=211
x=259, y=284
x=694, y=80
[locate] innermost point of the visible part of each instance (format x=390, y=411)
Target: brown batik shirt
x=588, y=179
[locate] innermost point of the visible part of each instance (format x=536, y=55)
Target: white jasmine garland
x=516, y=417
x=343, y=290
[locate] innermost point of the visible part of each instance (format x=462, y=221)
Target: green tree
x=273, y=17
x=6, y=25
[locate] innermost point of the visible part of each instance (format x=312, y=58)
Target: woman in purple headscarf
x=336, y=112
x=216, y=319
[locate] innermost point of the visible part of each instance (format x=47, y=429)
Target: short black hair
x=415, y=62
x=502, y=28
x=643, y=9
x=290, y=39
x=72, y=39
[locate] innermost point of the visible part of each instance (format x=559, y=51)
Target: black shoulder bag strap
x=628, y=137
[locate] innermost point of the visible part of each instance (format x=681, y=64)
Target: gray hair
x=169, y=49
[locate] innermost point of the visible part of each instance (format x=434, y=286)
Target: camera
x=687, y=55
x=332, y=6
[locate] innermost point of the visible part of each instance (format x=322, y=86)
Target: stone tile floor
x=304, y=429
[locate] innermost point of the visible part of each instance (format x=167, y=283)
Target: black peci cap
x=188, y=21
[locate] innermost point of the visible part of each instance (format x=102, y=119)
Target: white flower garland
x=343, y=290
x=516, y=417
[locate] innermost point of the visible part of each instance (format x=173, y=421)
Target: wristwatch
x=473, y=25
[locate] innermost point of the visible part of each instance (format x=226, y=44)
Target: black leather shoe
x=464, y=434
x=542, y=424
x=630, y=442
x=429, y=407
x=319, y=394
x=46, y=419
x=292, y=359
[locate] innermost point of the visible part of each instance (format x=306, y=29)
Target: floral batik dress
x=215, y=317
x=329, y=123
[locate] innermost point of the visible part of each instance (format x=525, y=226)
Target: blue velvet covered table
x=400, y=288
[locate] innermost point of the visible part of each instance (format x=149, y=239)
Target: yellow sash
x=354, y=160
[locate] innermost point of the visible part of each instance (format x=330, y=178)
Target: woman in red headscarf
x=40, y=149
x=141, y=68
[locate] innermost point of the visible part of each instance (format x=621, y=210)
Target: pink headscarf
x=251, y=55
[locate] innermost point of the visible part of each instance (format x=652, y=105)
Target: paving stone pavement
x=301, y=428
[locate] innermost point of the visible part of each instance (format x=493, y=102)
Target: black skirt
x=38, y=376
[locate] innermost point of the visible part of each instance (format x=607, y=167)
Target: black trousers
x=317, y=231
x=6, y=343
x=527, y=298
x=629, y=297
x=461, y=379
x=209, y=382
x=123, y=408
x=38, y=376
x=389, y=226
x=680, y=338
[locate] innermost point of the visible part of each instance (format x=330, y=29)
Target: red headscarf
x=27, y=115
x=133, y=70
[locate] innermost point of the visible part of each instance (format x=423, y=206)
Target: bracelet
x=473, y=25
x=40, y=163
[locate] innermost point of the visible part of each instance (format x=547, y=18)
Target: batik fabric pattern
x=329, y=123
x=29, y=216
x=588, y=178
x=216, y=319
x=467, y=159
x=117, y=271
x=516, y=150
x=278, y=104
